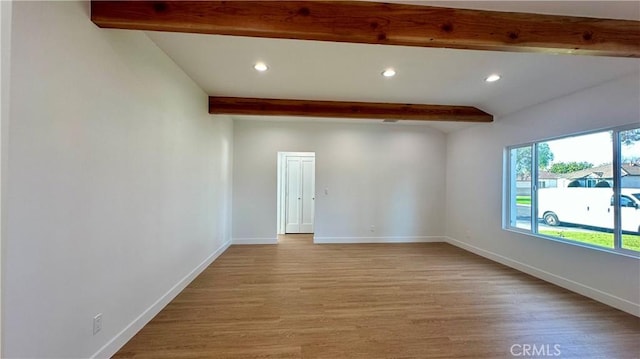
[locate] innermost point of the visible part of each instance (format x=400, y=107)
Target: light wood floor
x=423, y=300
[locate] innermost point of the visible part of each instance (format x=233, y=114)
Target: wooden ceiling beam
x=339, y=109
x=378, y=23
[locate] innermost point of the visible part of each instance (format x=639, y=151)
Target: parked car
x=589, y=207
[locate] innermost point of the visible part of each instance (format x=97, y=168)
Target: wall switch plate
x=97, y=323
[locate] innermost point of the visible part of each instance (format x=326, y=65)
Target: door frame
x=282, y=187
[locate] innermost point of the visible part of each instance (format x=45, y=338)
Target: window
x=581, y=189
x=520, y=183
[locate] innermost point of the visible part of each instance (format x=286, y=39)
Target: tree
x=545, y=156
x=523, y=162
x=566, y=167
x=630, y=137
x=523, y=159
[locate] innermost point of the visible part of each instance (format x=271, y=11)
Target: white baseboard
x=254, y=241
x=117, y=342
x=335, y=240
x=593, y=293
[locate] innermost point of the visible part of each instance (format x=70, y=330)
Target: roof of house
x=632, y=169
x=604, y=171
x=548, y=175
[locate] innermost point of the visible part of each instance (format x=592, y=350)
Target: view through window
x=570, y=184
x=630, y=192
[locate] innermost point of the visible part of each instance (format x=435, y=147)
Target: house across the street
x=602, y=176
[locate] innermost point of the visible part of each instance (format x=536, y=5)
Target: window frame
x=508, y=191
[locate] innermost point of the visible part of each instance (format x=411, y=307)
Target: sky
x=595, y=148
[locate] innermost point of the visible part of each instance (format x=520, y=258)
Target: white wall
x=474, y=212
x=386, y=175
x=5, y=71
x=118, y=183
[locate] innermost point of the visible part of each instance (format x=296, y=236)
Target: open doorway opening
x=296, y=192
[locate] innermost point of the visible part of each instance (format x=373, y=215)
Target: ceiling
x=313, y=70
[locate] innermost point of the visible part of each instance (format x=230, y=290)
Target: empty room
x=320, y=179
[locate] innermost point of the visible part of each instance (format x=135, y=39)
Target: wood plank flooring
x=422, y=300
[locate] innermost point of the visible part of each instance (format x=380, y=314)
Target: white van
x=589, y=207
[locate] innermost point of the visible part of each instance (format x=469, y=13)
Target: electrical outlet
x=372, y=228
x=97, y=323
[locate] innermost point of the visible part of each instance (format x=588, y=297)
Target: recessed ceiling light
x=492, y=78
x=389, y=73
x=261, y=66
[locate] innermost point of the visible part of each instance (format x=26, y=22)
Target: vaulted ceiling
x=222, y=65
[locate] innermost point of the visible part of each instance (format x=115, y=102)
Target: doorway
x=296, y=192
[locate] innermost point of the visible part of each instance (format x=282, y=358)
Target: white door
x=300, y=194
x=292, y=191
x=308, y=194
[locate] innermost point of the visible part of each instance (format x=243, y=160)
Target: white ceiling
x=313, y=70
